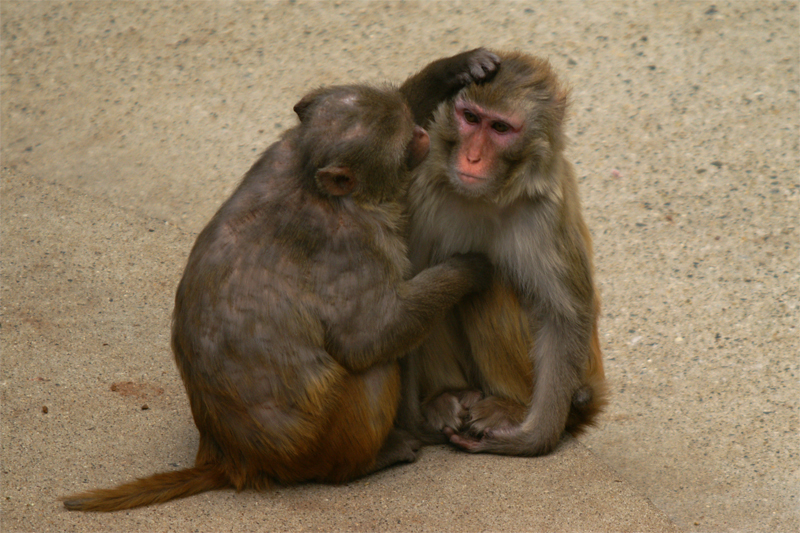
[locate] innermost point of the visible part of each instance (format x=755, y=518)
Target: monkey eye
x=471, y=117
x=500, y=127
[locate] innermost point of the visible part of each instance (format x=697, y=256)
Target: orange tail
x=158, y=488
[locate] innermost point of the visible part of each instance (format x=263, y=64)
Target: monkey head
x=359, y=141
x=500, y=138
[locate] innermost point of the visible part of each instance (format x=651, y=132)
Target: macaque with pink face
x=509, y=369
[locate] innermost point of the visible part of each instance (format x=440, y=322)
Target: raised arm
x=443, y=78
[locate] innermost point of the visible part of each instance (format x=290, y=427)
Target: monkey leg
x=440, y=360
x=500, y=342
x=592, y=397
x=437, y=366
x=494, y=412
x=360, y=438
x=400, y=446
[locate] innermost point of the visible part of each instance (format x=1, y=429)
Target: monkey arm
x=445, y=77
x=558, y=297
x=396, y=321
x=560, y=353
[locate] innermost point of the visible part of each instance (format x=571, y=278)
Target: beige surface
x=121, y=118
x=86, y=303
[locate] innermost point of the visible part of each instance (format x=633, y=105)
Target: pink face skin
x=484, y=133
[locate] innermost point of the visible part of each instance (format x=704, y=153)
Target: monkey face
x=484, y=137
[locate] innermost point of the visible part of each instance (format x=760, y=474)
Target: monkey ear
x=336, y=181
x=302, y=106
x=418, y=148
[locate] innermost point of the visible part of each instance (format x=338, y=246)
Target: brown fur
x=497, y=182
x=294, y=307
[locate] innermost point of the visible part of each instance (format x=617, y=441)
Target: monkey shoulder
x=353, y=280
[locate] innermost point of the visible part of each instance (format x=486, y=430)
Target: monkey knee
x=582, y=397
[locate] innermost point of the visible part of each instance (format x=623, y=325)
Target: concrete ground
x=126, y=124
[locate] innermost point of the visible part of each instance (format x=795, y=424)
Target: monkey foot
x=464, y=442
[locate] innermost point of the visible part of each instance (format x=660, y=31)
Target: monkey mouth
x=469, y=179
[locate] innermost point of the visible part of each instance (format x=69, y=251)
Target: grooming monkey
x=295, y=304
x=509, y=369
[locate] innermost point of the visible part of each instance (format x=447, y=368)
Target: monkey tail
x=157, y=488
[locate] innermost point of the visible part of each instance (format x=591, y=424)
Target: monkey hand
x=481, y=65
x=494, y=425
x=445, y=411
x=478, y=265
x=494, y=440
x=444, y=77
x=464, y=441
x=493, y=412
x=450, y=409
x=505, y=441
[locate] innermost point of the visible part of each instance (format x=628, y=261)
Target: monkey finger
x=469, y=398
x=483, y=65
x=474, y=430
x=463, y=414
x=469, y=444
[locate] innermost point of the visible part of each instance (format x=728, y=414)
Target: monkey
x=295, y=305
x=509, y=369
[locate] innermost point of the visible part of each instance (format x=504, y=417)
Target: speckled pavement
x=124, y=125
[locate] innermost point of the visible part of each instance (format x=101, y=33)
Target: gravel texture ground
x=126, y=124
